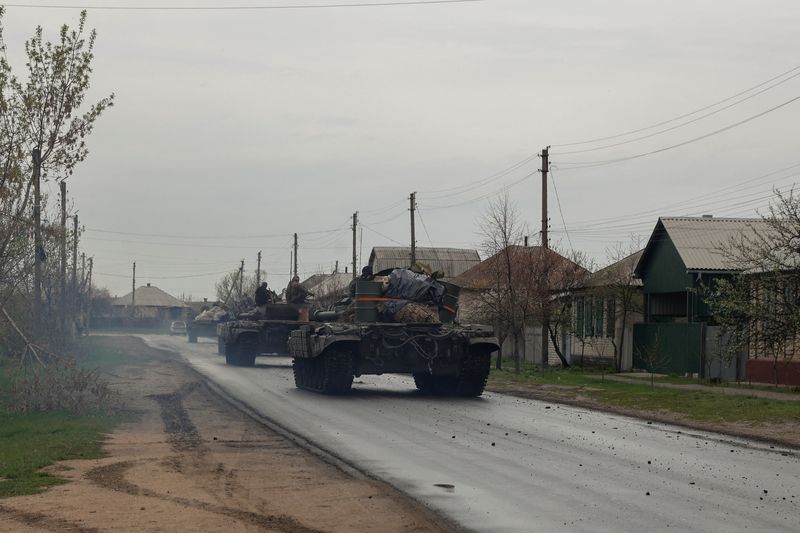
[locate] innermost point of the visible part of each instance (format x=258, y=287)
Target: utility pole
x=258, y=270
x=74, y=259
x=355, y=257
x=133, y=293
x=413, y=199
x=295, y=256
x=545, y=245
x=62, y=315
x=545, y=167
x=38, y=251
x=89, y=296
x=241, y=280
x=83, y=269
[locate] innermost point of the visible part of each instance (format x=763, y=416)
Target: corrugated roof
x=617, y=273
x=698, y=240
x=451, y=261
x=149, y=296
x=330, y=283
x=523, y=259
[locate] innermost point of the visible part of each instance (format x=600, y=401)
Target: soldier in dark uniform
x=296, y=293
x=263, y=297
x=366, y=275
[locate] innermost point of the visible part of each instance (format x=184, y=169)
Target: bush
x=61, y=386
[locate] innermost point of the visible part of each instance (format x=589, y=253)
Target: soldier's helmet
x=296, y=278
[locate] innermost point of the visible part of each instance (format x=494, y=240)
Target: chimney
x=526, y=241
x=205, y=300
x=345, y=270
x=148, y=284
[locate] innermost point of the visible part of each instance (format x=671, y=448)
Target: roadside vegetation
x=56, y=412
x=597, y=388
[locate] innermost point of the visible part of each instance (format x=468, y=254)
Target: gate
x=669, y=348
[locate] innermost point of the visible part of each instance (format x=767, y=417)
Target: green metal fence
x=671, y=348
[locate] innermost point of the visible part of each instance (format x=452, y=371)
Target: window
x=588, y=331
x=579, y=316
x=598, y=317
x=611, y=317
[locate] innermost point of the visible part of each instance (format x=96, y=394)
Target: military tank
x=444, y=358
x=257, y=332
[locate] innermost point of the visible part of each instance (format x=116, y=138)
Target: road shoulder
x=190, y=461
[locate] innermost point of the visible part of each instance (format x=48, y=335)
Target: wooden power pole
x=62, y=314
x=294, y=274
x=38, y=250
x=258, y=270
x=355, y=257
x=133, y=292
x=413, y=199
x=545, y=167
x=241, y=280
x=74, y=260
x=545, y=244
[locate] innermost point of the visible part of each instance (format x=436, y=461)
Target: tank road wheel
x=474, y=372
x=426, y=383
x=232, y=353
x=220, y=346
x=330, y=373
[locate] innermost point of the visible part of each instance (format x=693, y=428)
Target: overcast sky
x=234, y=129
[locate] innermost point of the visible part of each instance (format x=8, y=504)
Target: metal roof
x=617, y=273
x=699, y=240
x=330, y=283
x=451, y=261
x=149, y=296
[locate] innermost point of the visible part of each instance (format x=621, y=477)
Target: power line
x=677, y=126
x=685, y=115
x=589, y=164
x=424, y=226
x=696, y=203
x=381, y=234
x=210, y=237
x=480, y=182
x=484, y=196
x=242, y=8
x=561, y=211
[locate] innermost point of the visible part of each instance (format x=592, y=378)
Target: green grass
x=700, y=406
x=32, y=441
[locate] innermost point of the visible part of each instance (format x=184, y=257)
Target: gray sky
x=264, y=123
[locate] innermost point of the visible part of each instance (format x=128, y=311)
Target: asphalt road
x=501, y=463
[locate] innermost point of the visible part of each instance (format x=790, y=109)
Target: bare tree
x=618, y=283
x=759, y=308
x=502, y=233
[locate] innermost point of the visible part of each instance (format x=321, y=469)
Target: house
x=682, y=257
x=605, y=308
x=451, y=261
x=486, y=296
x=328, y=288
x=149, y=304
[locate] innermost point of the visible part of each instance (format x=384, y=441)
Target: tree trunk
x=554, y=339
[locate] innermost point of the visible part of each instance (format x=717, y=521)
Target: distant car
x=177, y=328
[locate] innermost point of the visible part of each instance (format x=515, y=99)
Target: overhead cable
x=685, y=115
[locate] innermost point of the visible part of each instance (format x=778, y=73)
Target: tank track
x=241, y=353
x=470, y=381
x=330, y=373
x=474, y=373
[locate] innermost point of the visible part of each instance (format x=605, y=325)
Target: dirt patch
x=192, y=462
x=781, y=434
